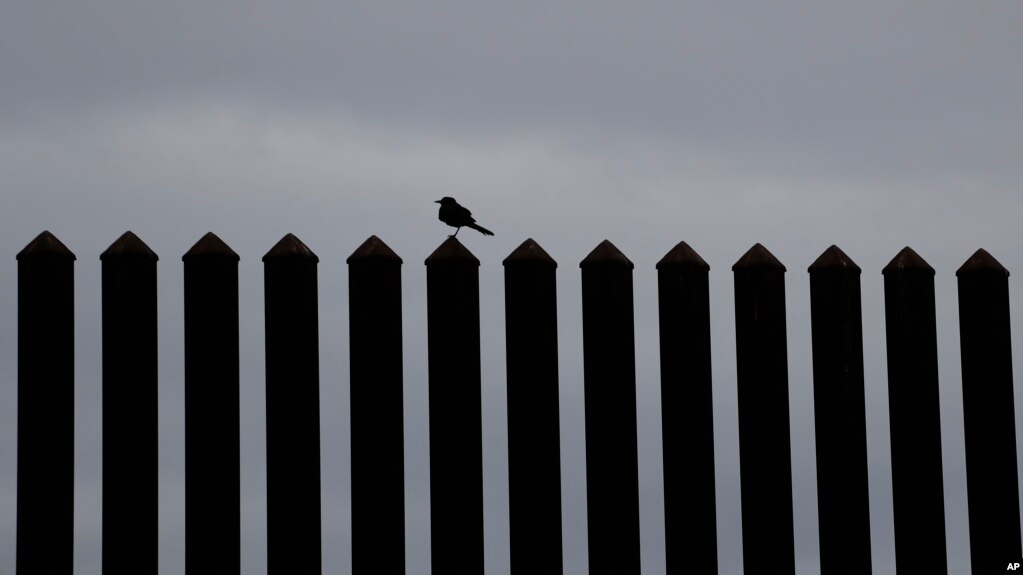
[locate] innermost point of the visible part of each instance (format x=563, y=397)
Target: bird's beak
x=436, y=201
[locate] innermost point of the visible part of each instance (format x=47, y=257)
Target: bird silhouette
x=456, y=216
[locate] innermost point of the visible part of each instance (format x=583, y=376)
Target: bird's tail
x=481, y=229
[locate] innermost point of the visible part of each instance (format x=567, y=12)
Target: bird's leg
x=456, y=231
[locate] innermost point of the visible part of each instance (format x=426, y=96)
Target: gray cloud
x=870, y=126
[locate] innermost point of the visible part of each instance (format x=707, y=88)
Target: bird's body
x=456, y=216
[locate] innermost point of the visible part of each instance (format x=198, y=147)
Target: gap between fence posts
x=378, y=476
x=609, y=379
x=212, y=433
x=534, y=444
x=687, y=412
x=130, y=477
x=456, y=422
x=915, y=419
x=292, y=409
x=765, y=452
x=46, y=411
x=989, y=419
x=843, y=503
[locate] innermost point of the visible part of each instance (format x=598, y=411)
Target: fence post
x=609, y=375
x=46, y=414
x=917, y=489
x=534, y=444
x=839, y=414
x=687, y=412
x=456, y=423
x=212, y=464
x=129, y=408
x=378, y=454
x=292, y=409
x=765, y=452
x=991, y=477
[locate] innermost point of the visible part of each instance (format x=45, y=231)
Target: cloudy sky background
x=868, y=125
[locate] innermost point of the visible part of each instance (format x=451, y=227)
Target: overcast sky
x=871, y=125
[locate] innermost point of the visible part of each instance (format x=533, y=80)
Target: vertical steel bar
x=378, y=464
x=129, y=408
x=917, y=486
x=212, y=463
x=456, y=423
x=839, y=414
x=46, y=415
x=687, y=412
x=989, y=420
x=534, y=445
x=765, y=452
x=609, y=373
x=292, y=409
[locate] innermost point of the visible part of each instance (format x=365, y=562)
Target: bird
x=454, y=215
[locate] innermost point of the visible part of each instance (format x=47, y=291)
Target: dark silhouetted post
x=378, y=455
x=840, y=418
x=455, y=399
x=129, y=408
x=46, y=411
x=991, y=478
x=292, y=409
x=687, y=412
x=765, y=452
x=212, y=465
x=609, y=379
x=456, y=423
x=534, y=439
x=917, y=489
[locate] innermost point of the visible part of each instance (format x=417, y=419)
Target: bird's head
x=445, y=201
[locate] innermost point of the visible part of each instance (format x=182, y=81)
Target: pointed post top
x=757, y=257
x=981, y=262
x=606, y=255
x=907, y=261
x=452, y=252
x=290, y=247
x=45, y=245
x=210, y=247
x=682, y=256
x=833, y=259
x=129, y=246
x=530, y=252
x=373, y=250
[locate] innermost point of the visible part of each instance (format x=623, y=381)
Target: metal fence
x=212, y=493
